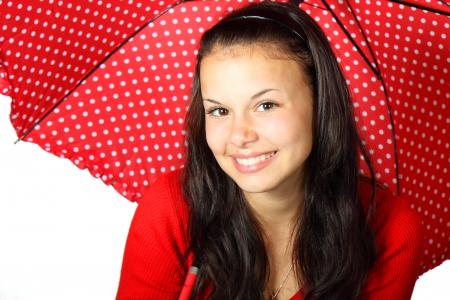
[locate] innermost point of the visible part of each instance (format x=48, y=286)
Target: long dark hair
x=334, y=246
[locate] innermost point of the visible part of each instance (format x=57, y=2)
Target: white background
x=63, y=232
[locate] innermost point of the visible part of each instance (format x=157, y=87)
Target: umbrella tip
x=18, y=140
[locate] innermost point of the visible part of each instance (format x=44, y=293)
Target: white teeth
x=254, y=160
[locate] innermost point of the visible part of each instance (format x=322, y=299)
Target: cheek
x=289, y=129
x=214, y=137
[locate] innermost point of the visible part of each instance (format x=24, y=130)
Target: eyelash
x=213, y=109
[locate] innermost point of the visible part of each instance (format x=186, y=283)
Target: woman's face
x=258, y=118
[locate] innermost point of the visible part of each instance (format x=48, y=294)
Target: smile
x=254, y=160
x=253, y=164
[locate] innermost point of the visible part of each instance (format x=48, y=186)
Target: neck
x=277, y=217
x=276, y=214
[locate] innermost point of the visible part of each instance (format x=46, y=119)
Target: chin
x=253, y=186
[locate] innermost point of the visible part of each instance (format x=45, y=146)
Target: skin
x=237, y=123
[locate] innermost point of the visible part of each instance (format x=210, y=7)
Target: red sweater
x=157, y=239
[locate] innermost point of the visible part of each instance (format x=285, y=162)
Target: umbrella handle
x=189, y=283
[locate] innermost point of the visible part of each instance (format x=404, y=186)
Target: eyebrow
x=260, y=93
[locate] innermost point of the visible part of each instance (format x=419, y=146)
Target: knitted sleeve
x=399, y=239
x=152, y=265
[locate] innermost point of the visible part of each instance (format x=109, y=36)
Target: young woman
x=270, y=204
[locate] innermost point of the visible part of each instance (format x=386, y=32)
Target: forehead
x=247, y=67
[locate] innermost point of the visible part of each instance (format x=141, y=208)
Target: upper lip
x=254, y=154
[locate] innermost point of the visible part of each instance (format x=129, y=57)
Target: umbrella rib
x=391, y=120
x=431, y=9
x=299, y=2
x=377, y=67
x=374, y=70
x=24, y=135
x=315, y=6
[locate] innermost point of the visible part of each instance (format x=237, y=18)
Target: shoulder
x=164, y=208
x=154, y=265
x=399, y=241
x=392, y=213
x=167, y=185
x=165, y=195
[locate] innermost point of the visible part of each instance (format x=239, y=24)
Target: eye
x=217, y=111
x=267, y=105
x=220, y=111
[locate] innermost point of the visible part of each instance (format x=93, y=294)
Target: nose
x=242, y=131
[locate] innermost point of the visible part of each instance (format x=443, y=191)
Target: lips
x=254, y=162
x=254, y=159
x=255, y=154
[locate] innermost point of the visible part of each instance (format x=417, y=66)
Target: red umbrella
x=106, y=85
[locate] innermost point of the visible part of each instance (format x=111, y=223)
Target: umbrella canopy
x=412, y=51
x=106, y=85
